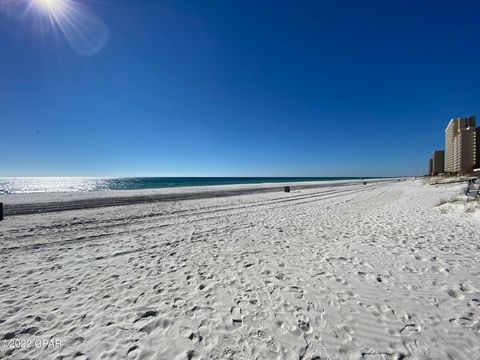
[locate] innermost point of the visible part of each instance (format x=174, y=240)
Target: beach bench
x=473, y=188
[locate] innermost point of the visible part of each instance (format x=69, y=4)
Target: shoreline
x=33, y=185
x=33, y=203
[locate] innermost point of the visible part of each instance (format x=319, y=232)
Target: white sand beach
x=376, y=271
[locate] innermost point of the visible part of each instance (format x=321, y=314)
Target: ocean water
x=16, y=185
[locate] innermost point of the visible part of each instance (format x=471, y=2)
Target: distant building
x=438, y=162
x=477, y=148
x=430, y=167
x=460, y=145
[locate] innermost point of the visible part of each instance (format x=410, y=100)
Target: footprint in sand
x=133, y=352
x=279, y=276
x=195, y=337
x=467, y=288
x=214, y=355
x=146, y=314
x=345, y=296
x=455, y=294
x=410, y=329
x=9, y=335
x=262, y=335
x=296, y=291
x=227, y=353
x=79, y=356
x=465, y=321
x=191, y=312
x=303, y=323
x=237, y=318
x=270, y=344
x=71, y=290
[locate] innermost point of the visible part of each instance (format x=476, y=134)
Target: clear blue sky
x=240, y=88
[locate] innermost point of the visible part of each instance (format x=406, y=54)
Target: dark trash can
x=286, y=188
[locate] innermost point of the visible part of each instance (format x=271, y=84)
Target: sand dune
x=351, y=272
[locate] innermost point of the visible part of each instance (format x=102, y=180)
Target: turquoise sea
x=15, y=185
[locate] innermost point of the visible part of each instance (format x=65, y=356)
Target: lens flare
x=50, y=6
x=85, y=32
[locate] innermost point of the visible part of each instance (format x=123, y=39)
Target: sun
x=85, y=32
x=50, y=6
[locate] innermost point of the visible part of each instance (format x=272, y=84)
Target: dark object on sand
x=1, y=211
x=286, y=188
x=473, y=188
x=364, y=183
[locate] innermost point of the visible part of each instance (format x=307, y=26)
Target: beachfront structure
x=460, y=145
x=477, y=147
x=438, y=162
x=465, y=158
x=430, y=167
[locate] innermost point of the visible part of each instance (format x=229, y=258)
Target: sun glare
x=51, y=6
x=85, y=32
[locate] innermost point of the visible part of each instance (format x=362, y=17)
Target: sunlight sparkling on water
x=19, y=185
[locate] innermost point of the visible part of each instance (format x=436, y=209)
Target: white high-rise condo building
x=460, y=145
